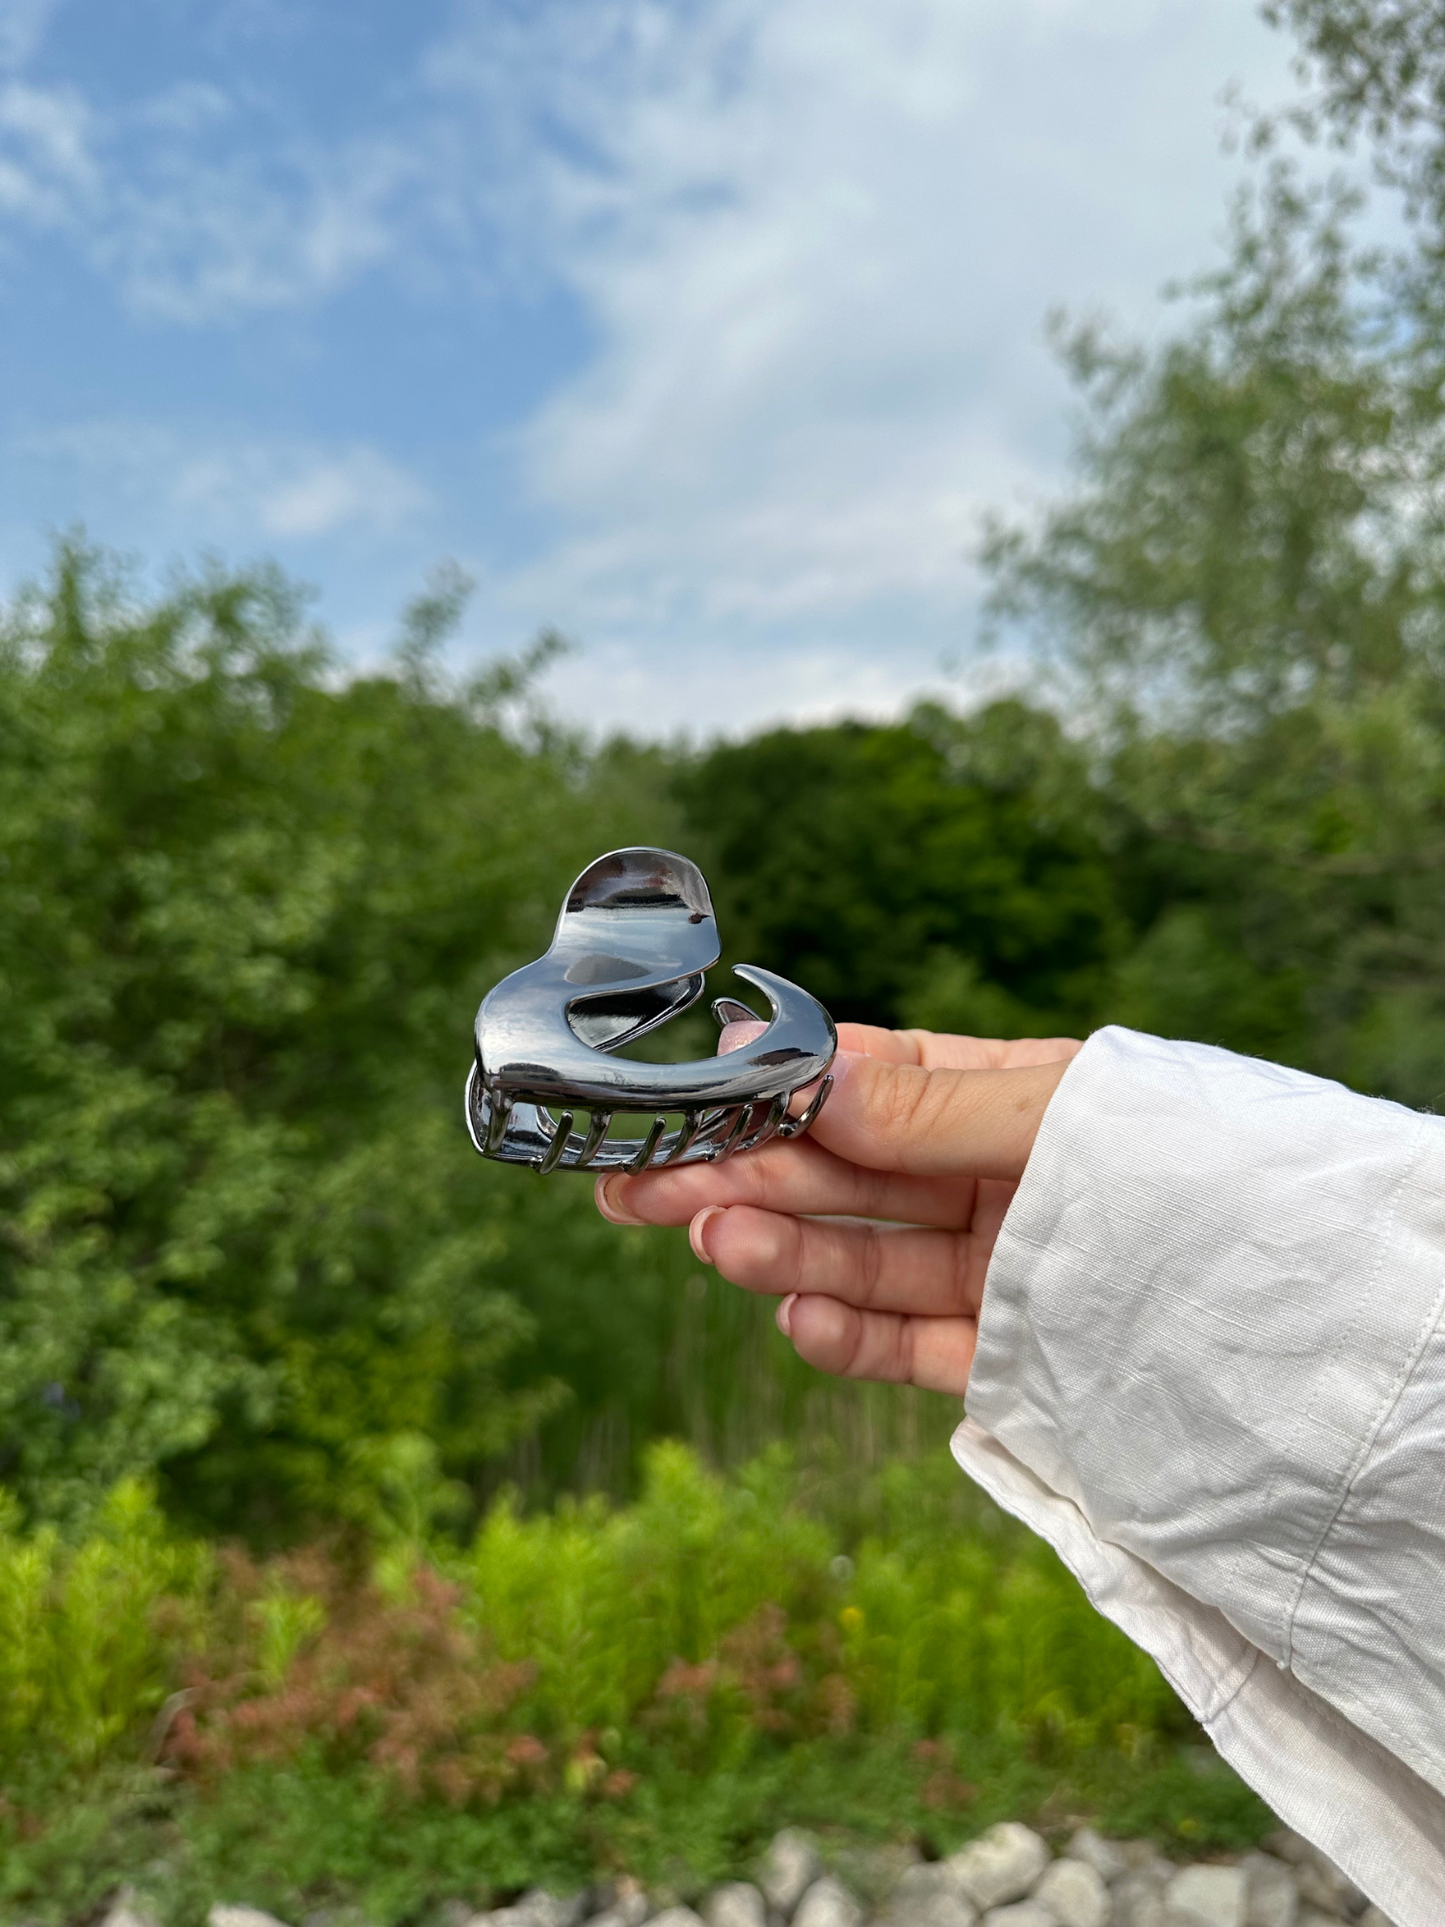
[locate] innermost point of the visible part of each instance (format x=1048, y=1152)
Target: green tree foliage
x=946, y=871
x=1247, y=593
x=247, y=911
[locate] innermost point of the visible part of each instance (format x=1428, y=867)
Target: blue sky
x=704, y=330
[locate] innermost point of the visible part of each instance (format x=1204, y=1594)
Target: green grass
x=653, y=1688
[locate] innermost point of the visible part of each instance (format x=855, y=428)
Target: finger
x=905, y=1268
x=933, y=1353
x=901, y=1117
x=797, y=1177
x=934, y=1050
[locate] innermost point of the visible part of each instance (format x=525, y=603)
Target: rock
x=738, y=1904
x=677, y=1917
x=922, y=1881
x=554, y=1910
x=535, y=1909
x=1139, y=1902
x=1313, y=1917
x=1001, y=1866
x=1372, y=1917
x=622, y=1902
x=1106, y=1857
x=789, y=1868
x=241, y=1917
x=1024, y=1913
x=1206, y=1897
x=940, y=1906
x=1323, y=1885
x=1272, y=1896
x=875, y=1871
x=828, y=1903
x=1075, y=1894
x=1321, y=1882
x=129, y=1910
x=632, y=1911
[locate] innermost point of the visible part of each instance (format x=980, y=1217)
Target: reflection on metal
x=634, y=941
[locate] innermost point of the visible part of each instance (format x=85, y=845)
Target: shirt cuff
x=1211, y=1332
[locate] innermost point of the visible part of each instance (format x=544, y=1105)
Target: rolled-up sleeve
x=1211, y=1370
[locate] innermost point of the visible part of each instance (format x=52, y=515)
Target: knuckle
x=904, y=1099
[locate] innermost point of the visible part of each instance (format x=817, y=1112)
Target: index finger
x=894, y=1116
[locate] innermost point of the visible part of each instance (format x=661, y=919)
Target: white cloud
x=48, y=171
x=197, y=205
x=817, y=240
x=248, y=492
x=813, y=242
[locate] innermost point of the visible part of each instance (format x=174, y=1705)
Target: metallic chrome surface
x=634, y=941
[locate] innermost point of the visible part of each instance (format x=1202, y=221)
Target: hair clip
x=634, y=941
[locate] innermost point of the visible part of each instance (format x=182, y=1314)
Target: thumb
x=934, y=1123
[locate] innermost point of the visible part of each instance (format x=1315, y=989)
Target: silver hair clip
x=633, y=942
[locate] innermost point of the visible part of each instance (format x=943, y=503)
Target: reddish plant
x=403, y=1685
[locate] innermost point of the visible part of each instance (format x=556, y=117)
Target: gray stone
x=676, y=1917
x=241, y=1917
x=1317, y=1917
x=1023, y=1913
x=1075, y=1894
x=1206, y=1897
x=789, y=1868
x=537, y=1908
x=940, y=1906
x=1001, y=1866
x=623, y=1902
x=828, y=1903
x=922, y=1881
x=1108, y=1859
x=738, y=1904
x=1273, y=1897
x=631, y=1910
x=1322, y=1884
x=873, y=1872
x=1139, y=1901
x=1372, y=1917
x=129, y=1910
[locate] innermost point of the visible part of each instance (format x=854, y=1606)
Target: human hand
x=875, y=1230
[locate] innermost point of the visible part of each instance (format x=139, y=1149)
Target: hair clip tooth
x=728, y=1010
x=553, y=1154
x=499, y=1118
x=795, y=1126
x=723, y=1147
x=691, y=1125
x=648, y=1145
x=596, y=1133
x=777, y=1111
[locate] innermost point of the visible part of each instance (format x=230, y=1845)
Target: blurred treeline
x=248, y=903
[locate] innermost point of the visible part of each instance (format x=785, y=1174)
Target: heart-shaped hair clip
x=634, y=941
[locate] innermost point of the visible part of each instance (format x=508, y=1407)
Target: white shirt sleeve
x=1211, y=1372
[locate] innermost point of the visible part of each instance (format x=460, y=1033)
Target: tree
x=942, y=871
x=1245, y=594
x=247, y=912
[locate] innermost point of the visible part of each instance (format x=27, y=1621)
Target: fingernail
x=734, y=1036
x=697, y=1232
x=784, y=1314
x=609, y=1207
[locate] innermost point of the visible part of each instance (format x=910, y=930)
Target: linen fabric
x=1211, y=1372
